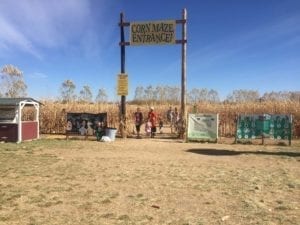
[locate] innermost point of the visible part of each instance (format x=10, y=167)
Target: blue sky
x=232, y=44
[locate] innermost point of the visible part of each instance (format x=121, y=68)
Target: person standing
x=160, y=124
x=138, y=120
x=148, y=128
x=176, y=119
x=100, y=130
x=173, y=118
x=152, y=118
x=170, y=114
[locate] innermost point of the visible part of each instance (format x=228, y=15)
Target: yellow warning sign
x=123, y=84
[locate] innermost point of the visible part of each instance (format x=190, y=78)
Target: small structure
x=85, y=124
x=12, y=127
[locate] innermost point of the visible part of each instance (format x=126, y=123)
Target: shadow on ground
x=223, y=152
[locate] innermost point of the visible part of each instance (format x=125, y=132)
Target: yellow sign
x=152, y=33
x=122, y=84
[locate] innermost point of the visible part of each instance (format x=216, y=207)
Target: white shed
x=12, y=128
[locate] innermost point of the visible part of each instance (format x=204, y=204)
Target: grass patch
x=86, y=182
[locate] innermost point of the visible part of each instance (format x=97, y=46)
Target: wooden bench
x=75, y=133
x=72, y=133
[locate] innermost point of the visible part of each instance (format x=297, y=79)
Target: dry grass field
x=148, y=181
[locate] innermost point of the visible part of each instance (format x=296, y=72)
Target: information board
x=203, y=127
x=85, y=122
x=270, y=126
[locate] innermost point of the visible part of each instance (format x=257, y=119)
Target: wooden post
x=291, y=130
x=237, y=117
x=183, y=73
x=20, y=108
x=262, y=131
x=37, y=111
x=123, y=97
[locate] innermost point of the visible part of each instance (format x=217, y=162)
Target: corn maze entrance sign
x=203, y=127
x=152, y=32
x=276, y=127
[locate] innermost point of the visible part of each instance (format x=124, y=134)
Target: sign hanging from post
x=123, y=84
x=153, y=32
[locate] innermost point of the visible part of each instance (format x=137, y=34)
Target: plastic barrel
x=111, y=133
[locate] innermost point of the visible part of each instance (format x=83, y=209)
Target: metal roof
x=16, y=101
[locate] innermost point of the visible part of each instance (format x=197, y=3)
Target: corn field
x=53, y=114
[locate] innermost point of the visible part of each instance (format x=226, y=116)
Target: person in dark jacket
x=138, y=120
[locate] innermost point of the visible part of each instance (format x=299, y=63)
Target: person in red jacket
x=153, y=119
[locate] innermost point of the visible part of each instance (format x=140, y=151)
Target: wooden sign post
x=154, y=33
x=123, y=97
x=183, y=74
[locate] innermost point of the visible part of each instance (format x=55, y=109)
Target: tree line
x=12, y=85
x=172, y=95
x=68, y=93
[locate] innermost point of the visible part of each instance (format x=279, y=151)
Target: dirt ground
x=148, y=181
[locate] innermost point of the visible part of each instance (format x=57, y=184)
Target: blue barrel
x=111, y=133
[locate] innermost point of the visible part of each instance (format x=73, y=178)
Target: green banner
x=272, y=126
x=203, y=127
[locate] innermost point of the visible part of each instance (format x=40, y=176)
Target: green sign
x=280, y=127
x=257, y=126
x=203, y=127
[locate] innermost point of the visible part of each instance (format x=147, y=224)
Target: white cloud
x=281, y=33
x=38, y=75
x=34, y=25
x=9, y=36
x=46, y=22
